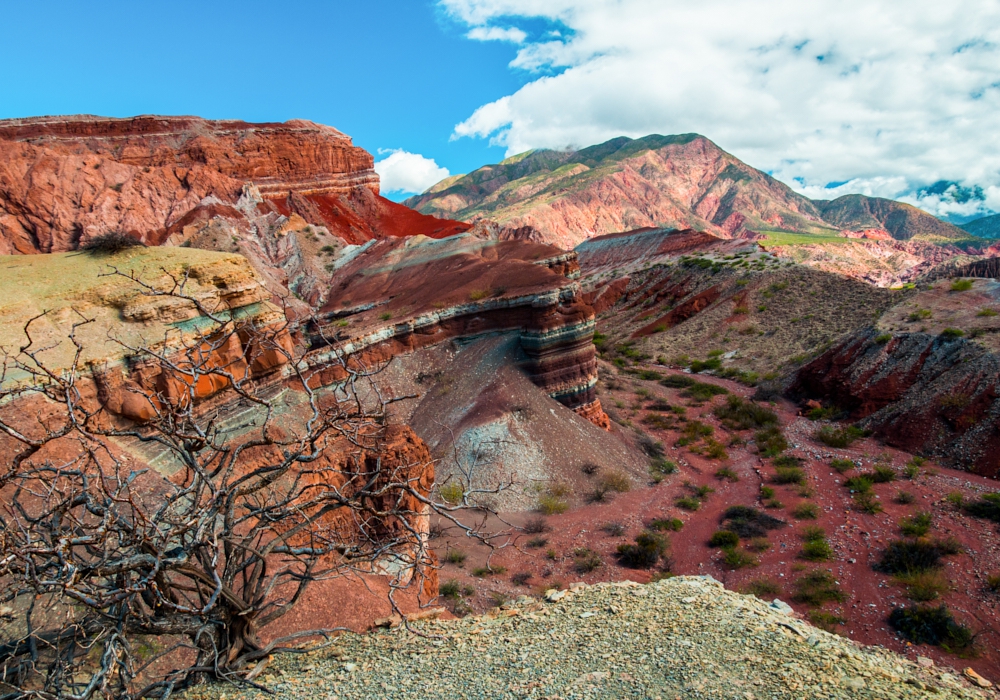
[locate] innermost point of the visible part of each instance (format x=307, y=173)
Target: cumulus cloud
x=405, y=172
x=511, y=34
x=831, y=97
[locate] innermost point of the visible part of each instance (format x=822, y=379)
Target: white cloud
x=880, y=97
x=404, y=172
x=511, y=34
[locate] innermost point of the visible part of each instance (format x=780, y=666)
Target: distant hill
x=856, y=212
x=682, y=181
x=986, y=227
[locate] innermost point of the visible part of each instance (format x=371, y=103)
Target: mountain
x=986, y=227
x=856, y=212
x=683, y=181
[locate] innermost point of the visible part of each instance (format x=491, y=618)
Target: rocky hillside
x=683, y=637
x=986, y=227
x=683, y=181
x=65, y=180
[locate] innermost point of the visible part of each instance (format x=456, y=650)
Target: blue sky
x=830, y=96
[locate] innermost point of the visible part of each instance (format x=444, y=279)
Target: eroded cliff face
x=925, y=377
x=397, y=296
x=65, y=180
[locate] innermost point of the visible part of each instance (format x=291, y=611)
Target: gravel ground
x=685, y=637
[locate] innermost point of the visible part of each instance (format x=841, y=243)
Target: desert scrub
x=923, y=586
x=914, y=556
x=788, y=475
x=450, y=589
x=951, y=333
x=455, y=556
x=738, y=559
x=926, y=625
x=816, y=588
x=536, y=525
x=842, y=436
x=862, y=483
x=883, y=474
x=700, y=392
x=478, y=294
x=916, y=525
x=805, y=511
x=749, y=522
x=826, y=620
x=616, y=481
x=695, y=430
x=452, y=493
x=688, y=503
x=723, y=538
x=761, y=587
x=521, y=578
x=739, y=414
x=552, y=505
x=663, y=525
x=986, y=313
x=770, y=441
x=816, y=550
x=537, y=542
x=961, y=286
x=905, y=498
x=987, y=507
x=726, y=474
x=645, y=553
x=586, y=560
x=613, y=529
x=484, y=571
x=919, y=315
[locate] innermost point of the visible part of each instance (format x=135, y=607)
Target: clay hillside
x=249, y=406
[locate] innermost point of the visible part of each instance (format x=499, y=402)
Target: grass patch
x=536, y=525
x=770, y=441
x=916, y=525
x=552, y=505
x=816, y=550
x=484, y=571
x=951, y=333
x=816, y=588
x=843, y=436
x=613, y=529
x=788, y=475
x=861, y=483
x=700, y=391
x=586, y=560
x=726, y=474
x=905, y=498
x=665, y=525
x=455, y=556
x=724, y=538
x=645, y=553
x=537, y=542
x=923, y=586
x=688, y=503
x=739, y=414
x=915, y=556
x=738, y=559
x=805, y=511
x=987, y=507
x=761, y=587
x=960, y=286
x=748, y=522
x=937, y=626
x=826, y=620
x=867, y=503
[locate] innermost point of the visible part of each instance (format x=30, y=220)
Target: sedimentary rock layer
x=396, y=296
x=65, y=180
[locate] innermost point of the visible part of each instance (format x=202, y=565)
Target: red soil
x=856, y=538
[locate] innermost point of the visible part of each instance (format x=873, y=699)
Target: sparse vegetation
x=748, y=522
x=817, y=550
x=613, y=529
x=926, y=625
x=826, y=620
x=739, y=414
x=816, y=588
x=645, y=553
x=905, y=497
x=961, y=286
x=914, y=556
x=552, y=505
x=762, y=587
x=724, y=538
x=111, y=243
x=537, y=542
x=770, y=441
x=663, y=524
x=923, y=586
x=839, y=436
x=788, y=475
x=452, y=492
x=952, y=333
x=805, y=511
x=726, y=474
x=987, y=507
x=916, y=525
x=484, y=571
x=586, y=560
x=867, y=502
x=841, y=465
x=536, y=525
x=455, y=556
x=738, y=559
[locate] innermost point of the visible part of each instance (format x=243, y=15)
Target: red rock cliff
x=64, y=180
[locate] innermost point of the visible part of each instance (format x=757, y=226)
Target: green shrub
x=883, y=338
x=483, y=571
x=111, y=243
x=663, y=524
x=951, y=333
x=770, y=441
x=956, y=499
x=704, y=365
x=662, y=466
x=867, y=503
x=739, y=414
x=986, y=313
x=923, y=586
x=646, y=551
x=813, y=533
x=883, y=474
x=961, y=285
x=455, y=556
x=839, y=436
x=916, y=525
x=987, y=507
x=816, y=550
x=586, y=560
x=450, y=589
x=749, y=522
x=452, y=493
x=761, y=587
x=919, y=315
x=842, y=465
x=788, y=475
x=551, y=505
x=725, y=473
x=788, y=461
x=805, y=511
x=738, y=559
x=861, y=483
x=993, y=582
x=911, y=471
x=816, y=588
x=703, y=392
x=925, y=625
x=677, y=381
x=724, y=538
x=616, y=481
x=688, y=503
x=914, y=556
x=537, y=542
x=826, y=620
x=905, y=497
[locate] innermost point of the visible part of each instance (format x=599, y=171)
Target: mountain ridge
x=681, y=181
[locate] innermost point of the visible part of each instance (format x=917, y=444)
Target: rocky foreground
x=682, y=637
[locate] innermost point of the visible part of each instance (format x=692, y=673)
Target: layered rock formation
x=65, y=180
x=916, y=382
x=683, y=181
x=396, y=296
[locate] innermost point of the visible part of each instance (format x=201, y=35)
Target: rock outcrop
x=65, y=180
x=399, y=295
